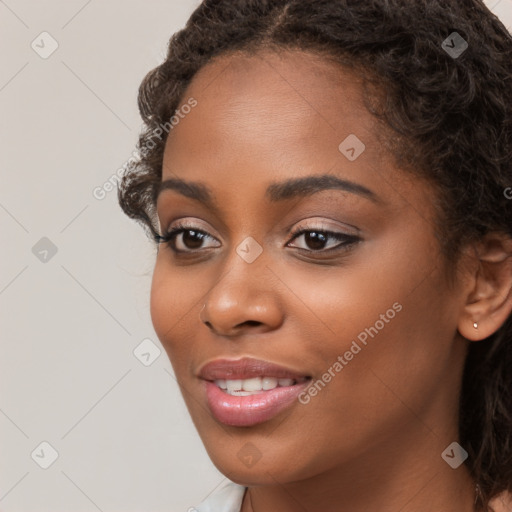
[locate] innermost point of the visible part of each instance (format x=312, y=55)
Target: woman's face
x=363, y=311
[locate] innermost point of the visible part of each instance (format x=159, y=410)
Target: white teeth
x=252, y=384
x=269, y=383
x=234, y=385
x=245, y=387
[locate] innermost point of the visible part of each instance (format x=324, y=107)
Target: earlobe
x=489, y=302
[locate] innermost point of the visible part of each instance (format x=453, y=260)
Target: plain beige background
x=81, y=368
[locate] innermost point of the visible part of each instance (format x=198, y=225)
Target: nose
x=243, y=301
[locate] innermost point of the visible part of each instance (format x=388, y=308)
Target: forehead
x=270, y=104
x=268, y=117
x=306, y=81
x=267, y=85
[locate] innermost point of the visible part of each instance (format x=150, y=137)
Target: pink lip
x=246, y=368
x=245, y=411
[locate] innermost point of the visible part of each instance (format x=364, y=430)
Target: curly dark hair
x=448, y=119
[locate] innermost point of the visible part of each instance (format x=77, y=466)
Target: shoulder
x=227, y=498
x=502, y=502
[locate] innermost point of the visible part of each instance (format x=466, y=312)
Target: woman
x=327, y=182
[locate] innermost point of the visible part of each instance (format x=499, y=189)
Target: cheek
x=171, y=307
x=388, y=314
x=161, y=306
x=334, y=305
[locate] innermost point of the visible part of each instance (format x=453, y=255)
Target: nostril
x=236, y=328
x=250, y=322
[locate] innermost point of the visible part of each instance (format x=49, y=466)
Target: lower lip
x=245, y=411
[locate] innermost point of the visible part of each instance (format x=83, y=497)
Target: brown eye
x=315, y=241
x=186, y=239
x=192, y=239
x=322, y=241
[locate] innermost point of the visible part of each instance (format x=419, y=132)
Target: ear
x=489, y=297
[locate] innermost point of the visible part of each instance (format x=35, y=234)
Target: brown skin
x=373, y=438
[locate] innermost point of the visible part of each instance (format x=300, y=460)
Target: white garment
x=228, y=498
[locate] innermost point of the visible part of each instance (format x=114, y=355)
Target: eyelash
x=347, y=240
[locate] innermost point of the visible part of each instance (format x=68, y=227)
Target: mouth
x=255, y=385
x=248, y=391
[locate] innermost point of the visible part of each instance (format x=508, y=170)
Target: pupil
x=315, y=240
x=191, y=242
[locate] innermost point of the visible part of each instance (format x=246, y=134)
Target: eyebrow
x=289, y=189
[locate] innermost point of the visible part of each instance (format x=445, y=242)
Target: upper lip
x=246, y=368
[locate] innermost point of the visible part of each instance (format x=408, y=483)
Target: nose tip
x=242, y=301
x=229, y=321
